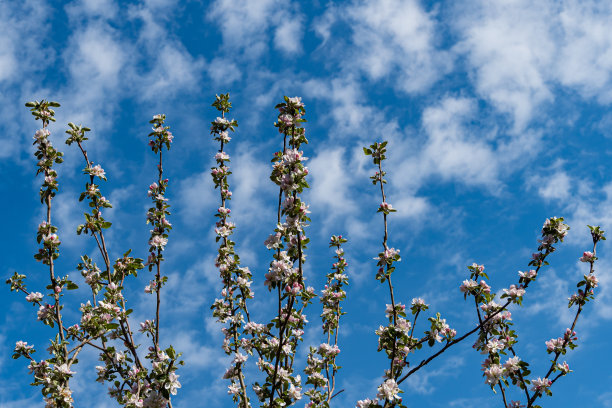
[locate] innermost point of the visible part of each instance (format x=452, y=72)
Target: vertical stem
x=158, y=267
x=390, y=284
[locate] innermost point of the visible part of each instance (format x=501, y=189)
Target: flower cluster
x=161, y=135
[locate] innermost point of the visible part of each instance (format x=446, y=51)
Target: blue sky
x=497, y=117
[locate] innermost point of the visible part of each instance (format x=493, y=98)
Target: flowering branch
x=55, y=381
x=559, y=346
x=331, y=297
x=289, y=241
x=236, y=280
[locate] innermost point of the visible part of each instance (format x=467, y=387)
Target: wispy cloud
x=520, y=52
x=393, y=41
x=248, y=26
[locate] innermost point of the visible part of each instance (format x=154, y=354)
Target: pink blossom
x=45, y=312
x=97, y=170
x=514, y=292
x=273, y=241
x=555, y=345
x=64, y=369
x=512, y=364
x=296, y=102
x=221, y=121
x=493, y=374
x=22, y=347
x=528, y=274
x=468, y=285
x=158, y=241
x=34, y=297
x=418, y=302
x=366, y=403
x=570, y=335
x=224, y=136
x=563, y=367
x=592, y=280
x=484, y=287
x=51, y=239
x=152, y=189
x=480, y=268
x=41, y=134
x=222, y=156
x=540, y=384
x=384, y=206
x=587, y=256
x=495, y=345
x=294, y=289
x=389, y=390
x=172, y=384
x=327, y=350
x=398, y=308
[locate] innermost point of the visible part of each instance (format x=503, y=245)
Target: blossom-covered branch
x=53, y=373
x=289, y=173
x=321, y=366
x=232, y=308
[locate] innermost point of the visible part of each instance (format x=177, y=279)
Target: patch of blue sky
x=497, y=115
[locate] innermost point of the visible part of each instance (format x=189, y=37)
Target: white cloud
x=556, y=186
x=603, y=293
x=391, y=40
x=223, y=71
x=174, y=71
x=591, y=208
x=520, y=51
x=246, y=25
x=96, y=56
x=22, y=48
x=93, y=8
x=585, y=55
x=510, y=47
x=349, y=116
x=395, y=39
x=410, y=207
x=24, y=55
x=288, y=35
x=251, y=185
x=195, y=197
x=331, y=184
x=450, y=150
x=8, y=63
x=551, y=295
x=197, y=354
x=424, y=381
